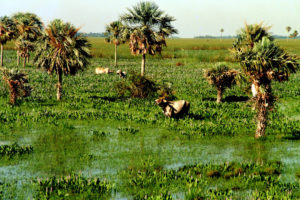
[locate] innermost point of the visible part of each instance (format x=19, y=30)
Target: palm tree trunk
x=219, y=95
x=143, y=65
x=264, y=101
x=18, y=58
x=261, y=118
x=59, y=85
x=116, y=62
x=28, y=56
x=1, y=55
x=24, y=62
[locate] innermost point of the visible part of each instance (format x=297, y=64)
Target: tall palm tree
x=263, y=63
x=221, y=77
x=149, y=27
x=117, y=34
x=63, y=50
x=7, y=32
x=29, y=28
x=222, y=30
x=288, y=29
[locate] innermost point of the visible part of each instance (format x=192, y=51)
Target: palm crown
x=221, y=77
x=252, y=33
x=7, y=32
x=7, y=29
x=266, y=61
x=62, y=48
x=115, y=33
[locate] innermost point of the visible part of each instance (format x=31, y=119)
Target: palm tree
x=263, y=63
x=17, y=83
x=7, y=32
x=221, y=77
x=149, y=27
x=117, y=34
x=222, y=30
x=63, y=50
x=29, y=28
x=294, y=34
x=288, y=29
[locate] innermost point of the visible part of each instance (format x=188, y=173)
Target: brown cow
x=174, y=109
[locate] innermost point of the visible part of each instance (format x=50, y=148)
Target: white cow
x=101, y=70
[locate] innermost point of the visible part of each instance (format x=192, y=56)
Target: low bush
x=138, y=86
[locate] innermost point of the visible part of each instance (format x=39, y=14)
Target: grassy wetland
x=95, y=145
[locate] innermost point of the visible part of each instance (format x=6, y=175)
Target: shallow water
x=60, y=151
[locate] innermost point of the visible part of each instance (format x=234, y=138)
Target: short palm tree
x=29, y=28
x=63, y=50
x=117, y=34
x=263, y=63
x=149, y=27
x=221, y=77
x=17, y=83
x=7, y=32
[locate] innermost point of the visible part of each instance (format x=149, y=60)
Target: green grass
x=94, y=133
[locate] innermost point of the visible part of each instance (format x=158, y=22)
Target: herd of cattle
x=175, y=109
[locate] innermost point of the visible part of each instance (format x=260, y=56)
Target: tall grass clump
x=17, y=83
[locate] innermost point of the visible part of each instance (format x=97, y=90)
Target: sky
x=193, y=17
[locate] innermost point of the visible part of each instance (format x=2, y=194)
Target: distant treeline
x=90, y=34
x=234, y=36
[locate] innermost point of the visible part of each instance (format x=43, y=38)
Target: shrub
x=138, y=86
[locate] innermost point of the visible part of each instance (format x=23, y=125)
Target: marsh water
x=99, y=149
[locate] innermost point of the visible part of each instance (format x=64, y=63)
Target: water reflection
x=59, y=152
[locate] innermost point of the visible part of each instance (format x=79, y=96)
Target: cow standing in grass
x=174, y=109
x=101, y=70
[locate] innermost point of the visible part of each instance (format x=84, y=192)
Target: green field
x=209, y=154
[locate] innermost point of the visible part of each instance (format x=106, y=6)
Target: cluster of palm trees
x=25, y=29
x=262, y=62
x=58, y=47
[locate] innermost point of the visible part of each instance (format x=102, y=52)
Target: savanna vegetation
x=101, y=142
